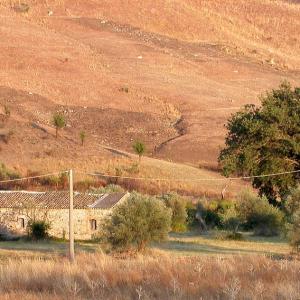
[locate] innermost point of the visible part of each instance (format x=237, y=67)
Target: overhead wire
x=189, y=180
x=152, y=179
x=33, y=177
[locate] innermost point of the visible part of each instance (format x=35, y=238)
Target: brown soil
x=123, y=78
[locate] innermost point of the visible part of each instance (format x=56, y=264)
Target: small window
x=21, y=222
x=93, y=224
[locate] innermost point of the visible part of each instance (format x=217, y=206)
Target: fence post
x=71, y=220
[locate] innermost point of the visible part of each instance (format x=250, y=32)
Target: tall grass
x=97, y=276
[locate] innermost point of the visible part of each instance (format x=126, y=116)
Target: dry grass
x=265, y=29
x=195, y=244
x=184, y=179
x=159, y=276
x=193, y=182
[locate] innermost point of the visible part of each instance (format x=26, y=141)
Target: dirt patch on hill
x=31, y=116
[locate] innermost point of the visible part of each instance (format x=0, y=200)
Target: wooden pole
x=71, y=220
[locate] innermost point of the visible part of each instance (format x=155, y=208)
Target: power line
x=33, y=177
x=190, y=180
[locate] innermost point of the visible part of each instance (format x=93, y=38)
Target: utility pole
x=71, y=220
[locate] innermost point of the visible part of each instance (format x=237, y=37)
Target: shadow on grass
x=202, y=248
x=46, y=246
x=248, y=237
x=194, y=243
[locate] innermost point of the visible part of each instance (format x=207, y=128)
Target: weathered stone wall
x=58, y=219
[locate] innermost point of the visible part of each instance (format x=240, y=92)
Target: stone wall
x=13, y=219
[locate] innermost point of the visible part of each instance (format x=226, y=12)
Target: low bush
x=136, y=222
x=179, y=213
x=6, y=174
x=294, y=232
x=259, y=215
x=133, y=169
x=38, y=230
x=292, y=203
x=229, y=235
x=6, y=235
x=191, y=212
x=110, y=188
x=6, y=111
x=215, y=211
x=231, y=220
x=21, y=7
x=212, y=217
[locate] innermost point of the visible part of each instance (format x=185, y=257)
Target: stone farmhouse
x=17, y=208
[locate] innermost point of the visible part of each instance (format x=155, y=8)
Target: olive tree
x=139, y=148
x=136, y=222
x=59, y=122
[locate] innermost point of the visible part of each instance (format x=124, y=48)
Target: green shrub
x=108, y=189
x=215, y=211
x=38, y=230
x=82, y=136
x=229, y=235
x=294, y=232
x=6, y=174
x=191, y=212
x=259, y=215
x=133, y=169
x=179, y=213
x=137, y=222
x=59, y=122
x=292, y=203
x=224, y=205
x=212, y=218
x=139, y=149
x=231, y=220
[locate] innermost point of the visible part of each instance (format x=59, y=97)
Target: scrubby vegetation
x=179, y=214
x=294, y=232
x=110, y=188
x=249, y=212
x=292, y=209
x=6, y=174
x=82, y=136
x=258, y=215
x=38, y=230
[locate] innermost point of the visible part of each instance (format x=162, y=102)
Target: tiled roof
x=109, y=200
x=56, y=200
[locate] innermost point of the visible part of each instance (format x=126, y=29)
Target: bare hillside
x=169, y=73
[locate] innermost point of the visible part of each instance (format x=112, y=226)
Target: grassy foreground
x=188, y=266
x=158, y=276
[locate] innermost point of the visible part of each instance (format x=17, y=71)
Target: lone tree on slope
x=59, y=122
x=139, y=148
x=82, y=136
x=266, y=139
